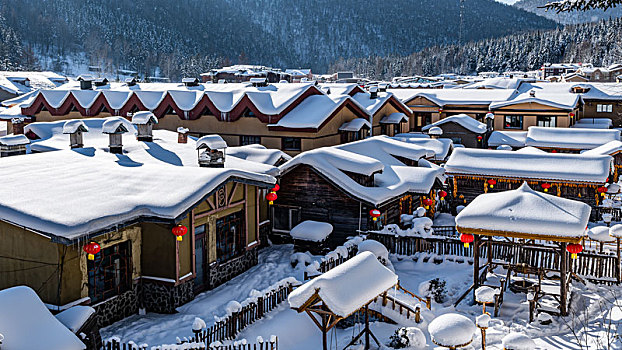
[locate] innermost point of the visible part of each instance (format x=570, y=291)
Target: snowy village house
x=129, y=213
x=290, y=117
x=574, y=176
x=554, y=140
x=341, y=184
x=460, y=129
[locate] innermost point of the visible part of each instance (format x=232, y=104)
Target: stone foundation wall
x=119, y=307
x=165, y=298
x=221, y=273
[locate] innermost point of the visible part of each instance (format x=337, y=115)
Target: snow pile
x=616, y=230
x=483, y=321
x=14, y=140
x=408, y=338
x=485, y=294
x=600, y=234
x=518, y=341
x=74, y=125
x=504, y=148
x=610, y=148
x=376, y=248
x=198, y=324
x=211, y=142
x=143, y=118
x=441, y=147
x=347, y=287
x=463, y=120
x=300, y=259
x=75, y=317
x=570, y=138
x=259, y=154
x=313, y=231
x=451, y=330
x=27, y=324
x=526, y=211
x=509, y=138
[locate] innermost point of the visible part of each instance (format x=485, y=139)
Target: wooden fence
x=595, y=266
x=226, y=329
x=272, y=344
x=329, y=264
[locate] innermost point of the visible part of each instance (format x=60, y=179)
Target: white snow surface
x=616, y=230
x=451, y=330
x=570, y=138
x=463, y=120
x=355, y=125
x=610, y=148
x=347, y=287
x=27, y=324
x=375, y=247
x=510, y=138
x=211, y=142
x=310, y=230
x=553, y=166
x=368, y=157
x=114, y=125
x=485, y=294
x=14, y=140
x=518, y=341
x=258, y=153
x=441, y=147
x=75, y=317
x=74, y=125
x=526, y=211
x=394, y=118
x=600, y=234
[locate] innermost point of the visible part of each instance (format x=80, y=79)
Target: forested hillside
x=573, y=17
x=599, y=43
x=188, y=36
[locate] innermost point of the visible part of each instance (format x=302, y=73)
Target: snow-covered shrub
x=407, y=337
x=198, y=324
x=437, y=290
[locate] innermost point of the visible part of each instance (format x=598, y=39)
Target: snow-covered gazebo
x=546, y=224
x=342, y=291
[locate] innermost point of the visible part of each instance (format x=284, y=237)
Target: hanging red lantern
x=492, y=183
x=179, y=231
x=571, y=115
x=442, y=194
x=602, y=190
x=554, y=151
x=574, y=249
x=546, y=186
x=440, y=110
x=466, y=238
x=275, y=188
x=479, y=138
x=375, y=214
x=271, y=197
x=91, y=249
x=427, y=202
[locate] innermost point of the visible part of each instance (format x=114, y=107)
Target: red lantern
x=554, y=151
x=571, y=115
x=427, y=202
x=466, y=238
x=479, y=138
x=574, y=249
x=271, y=197
x=275, y=188
x=492, y=183
x=179, y=231
x=442, y=194
x=440, y=110
x=91, y=249
x=602, y=190
x=546, y=186
x=375, y=214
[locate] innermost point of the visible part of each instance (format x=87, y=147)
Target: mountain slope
x=573, y=17
x=599, y=43
x=147, y=34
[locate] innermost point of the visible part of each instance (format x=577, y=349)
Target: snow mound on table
x=483, y=321
x=451, y=330
x=27, y=324
x=416, y=338
x=75, y=317
x=347, y=287
x=600, y=234
x=518, y=341
x=485, y=294
x=313, y=231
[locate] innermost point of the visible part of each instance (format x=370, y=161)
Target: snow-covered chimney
x=532, y=93
x=211, y=151
x=182, y=134
x=490, y=121
x=373, y=92
x=115, y=129
x=144, y=122
x=18, y=125
x=190, y=81
x=12, y=145
x=75, y=128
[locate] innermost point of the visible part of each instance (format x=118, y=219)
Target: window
x=248, y=113
x=349, y=136
x=456, y=140
x=604, y=108
x=110, y=273
x=249, y=140
x=513, y=122
x=291, y=144
x=547, y=121
x=285, y=218
x=230, y=236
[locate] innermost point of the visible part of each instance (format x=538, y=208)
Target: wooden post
x=563, y=267
x=483, y=338
x=475, y=264
x=367, y=327
x=418, y=313
x=428, y=302
x=324, y=339
x=618, y=262
x=489, y=253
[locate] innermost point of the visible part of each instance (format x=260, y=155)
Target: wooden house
x=558, y=140
x=340, y=185
x=462, y=130
x=132, y=206
x=573, y=176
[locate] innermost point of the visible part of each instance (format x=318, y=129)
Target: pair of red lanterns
x=573, y=248
x=271, y=196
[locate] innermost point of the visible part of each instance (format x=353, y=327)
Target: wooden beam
x=317, y=323
x=563, y=283
x=522, y=235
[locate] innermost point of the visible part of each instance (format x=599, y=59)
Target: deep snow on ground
x=297, y=331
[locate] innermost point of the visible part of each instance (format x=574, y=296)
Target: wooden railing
x=272, y=344
x=329, y=264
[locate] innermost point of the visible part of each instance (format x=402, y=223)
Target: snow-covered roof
x=355, y=125
x=14, y=140
x=525, y=213
x=75, y=317
x=394, y=118
x=548, y=94
x=74, y=125
x=610, y=148
x=347, y=287
x=463, y=120
x=498, y=83
x=443, y=97
x=594, y=123
x=570, y=138
x=310, y=230
x=19, y=83
x=548, y=166
x=312, y=112
x=441, y=147
x=373, y=105
x=144, y=117
x=452, y=330
x=258, y=153
x=211, y=142
x=27, y=324
x=369, y=156
x=511, y=138
x=114, y=125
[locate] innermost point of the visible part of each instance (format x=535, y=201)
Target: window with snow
x=230, y=236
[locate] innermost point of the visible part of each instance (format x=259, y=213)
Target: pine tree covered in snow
x=12, y=54
x=599, y=43
x=582, y=5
